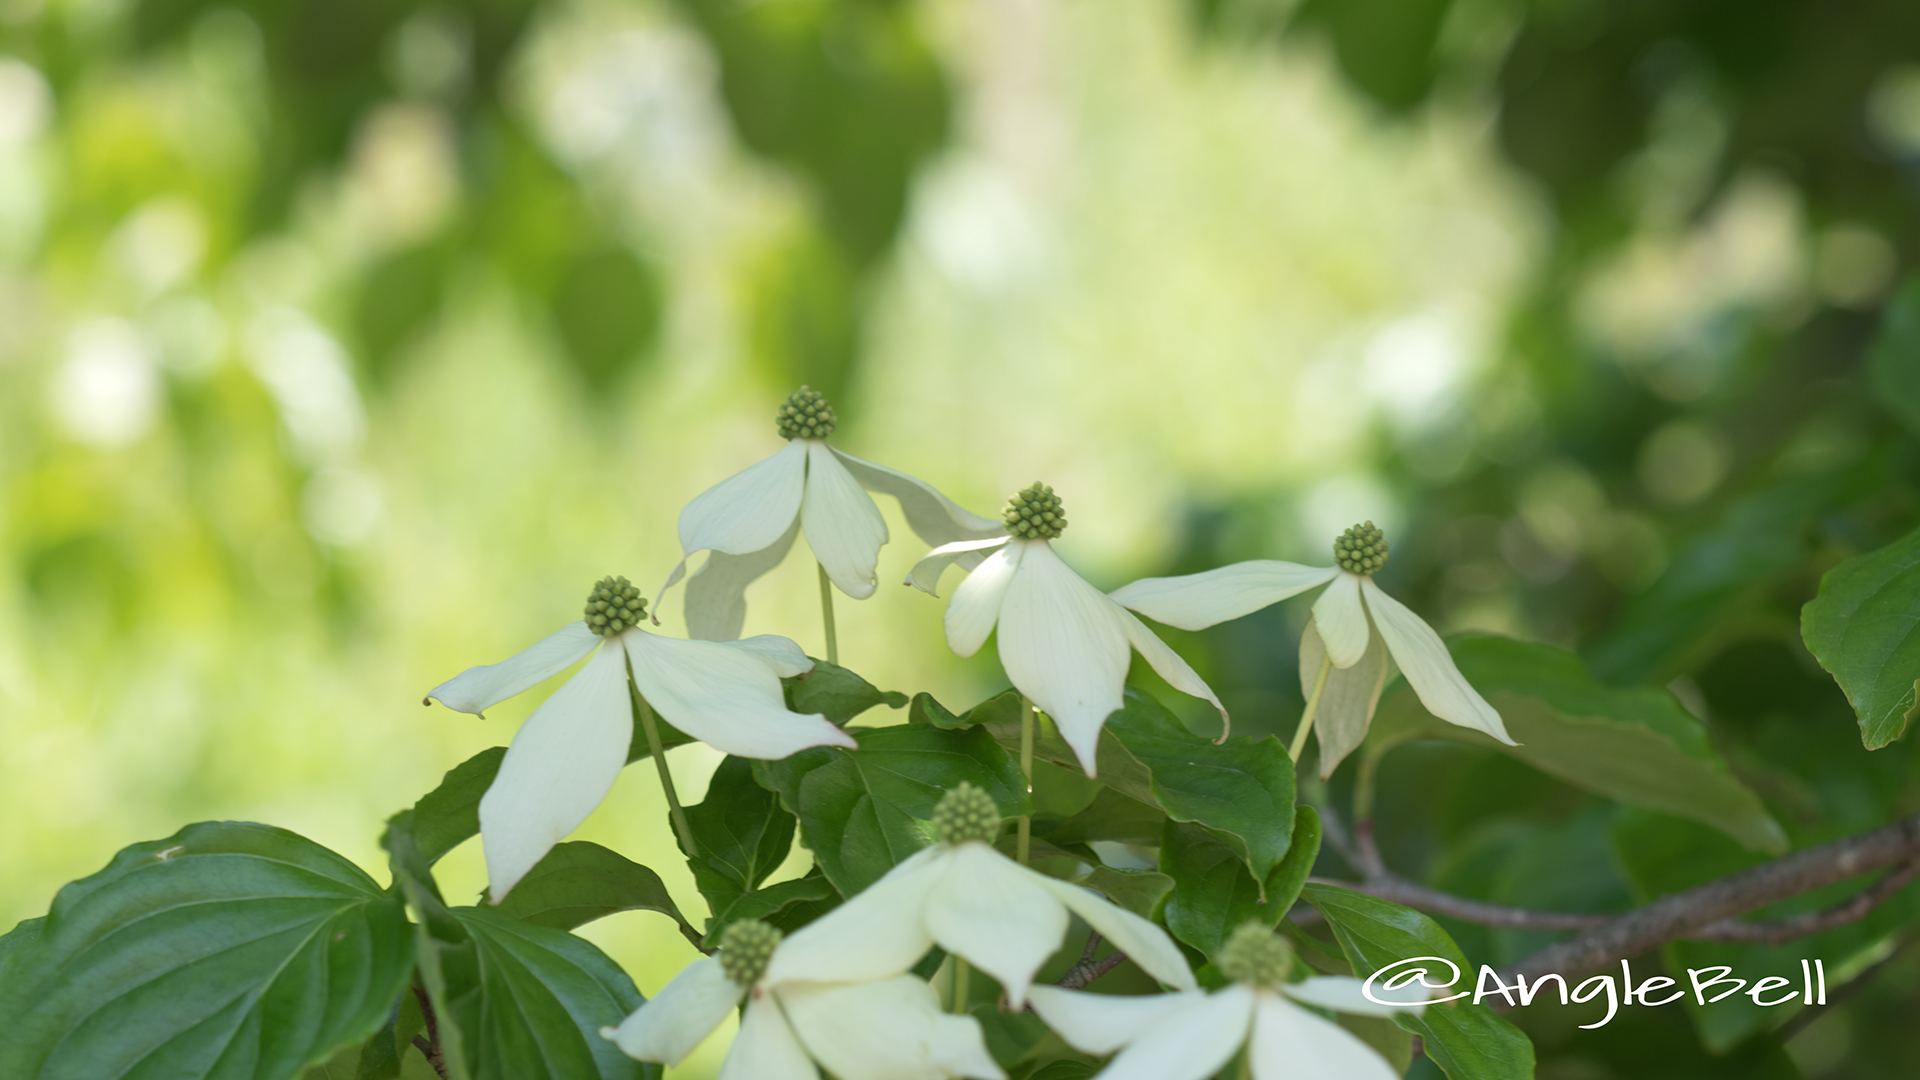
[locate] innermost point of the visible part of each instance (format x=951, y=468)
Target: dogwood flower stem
x=666, y=778
x=961, y=977
x=1246, y=1064
x=1023, y=834
x=826, y=614
x=1313, y=706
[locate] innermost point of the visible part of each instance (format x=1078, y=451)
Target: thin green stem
x=962, y=976
x=1023, y=831
x=826, y=615
x=1246, y=1063
x=1313, y=706
x=652, y=730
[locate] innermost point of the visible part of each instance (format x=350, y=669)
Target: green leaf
x=1465, y=1040
x=924, y=710
x=447, y=816
x=1139, y=891
x=1864, y=628
x=1894, y=363
x=862, y=811
x=770, y=903
x=228, y=947
x=1634, y=745
x=837, y=693
x=578, y=882
x=17, y=939
x=1242, y=789
x=512, y=1000
x=742, y=834
x=1213, y=893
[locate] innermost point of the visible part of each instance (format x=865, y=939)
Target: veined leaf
x=1864, y=628
x=838, y=694
x=228, y=949
x=742, y=833
x=578, y=882
x=1212, y=891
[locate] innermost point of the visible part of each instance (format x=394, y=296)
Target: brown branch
x=1780, y=931
x=429, y=1044
x=1401, y=891
x=1089, y=969
x=1685, y=914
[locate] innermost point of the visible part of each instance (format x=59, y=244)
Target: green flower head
x=966, y=813
x=1035, y=514
x=1256, y=956
x=614, y=605
x=806, y=415
x=745, y=948
x=1362, y=549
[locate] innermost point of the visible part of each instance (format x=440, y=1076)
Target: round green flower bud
x=1035, y=514
x=1362, y=549
x=966, y=813
x=806, y=415
x=1256, y=956
x=614, y=605
x=745, y=948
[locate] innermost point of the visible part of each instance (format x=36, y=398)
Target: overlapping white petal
x=678, y=1018
x=889, y=1030
x=750, y=509
x=1190, y=1040
x=844, y=529
x=561, y=764
x=1004, y=918
x=1064, y=645
x=716, y=599
x=1197, y=601
x=1290, y=1043
x=782, y=654
x=885, y=936
x=1103, y=1023
x=1348, y=698
x=1342, y=620
x=1169, y=666
x=1343, y=993
x=1144, y=943
x=925, y=574
x=478, y=689
x=725, y=696
x=932, y=516
x=766, y=1048
x=1430, y=670
x=975, y=606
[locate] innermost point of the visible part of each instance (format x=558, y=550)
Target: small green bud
x=613, y=605
x=1256, y=956
x=1362, y=549
x=1035, y=514
x=966, y=813
x=806, y=415
x=745, y=948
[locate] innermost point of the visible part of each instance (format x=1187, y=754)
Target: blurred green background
x=344, y=343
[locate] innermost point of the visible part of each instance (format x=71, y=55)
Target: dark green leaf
x=742, y=834
x=578, y=882
x=1110, y=816
x=1468, y=1041
x=924, y=710
x=1242, y=789
x=1212, y=891
x=837, y=693
x=1013, y=1038
x=1894, y=364
x=17, y=939
x=1287, y=879
x=1634, y=745
x=447, y=816
x=1064, y=1069
x=1139, y=891
x=513, y=1001
x=769, y=903
x=862, y=811
x=1864, y=627
x=227, y=946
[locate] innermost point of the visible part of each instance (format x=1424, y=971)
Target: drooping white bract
x=1190, y=1035
x=749, y=520
x=565, y=758
x=1065, y=644
x=976, y=903
x=888, y=1029
x=1363, y=638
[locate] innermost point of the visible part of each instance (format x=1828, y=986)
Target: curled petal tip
x=427, y=701
x=609, y=1032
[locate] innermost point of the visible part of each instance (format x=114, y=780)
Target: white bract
x=565, y=758
x=1190, y=1035
x=1355, y=624
x=749, y=520
x=1064, y=644
x=975, y=903
x=889, y=1029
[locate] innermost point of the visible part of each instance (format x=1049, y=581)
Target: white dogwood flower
x=1191, y=1035
x=748, y=521
x=890, y=1029
x=565, y=758
x=1361, y=637
x=975, y=903
x=1064, y=643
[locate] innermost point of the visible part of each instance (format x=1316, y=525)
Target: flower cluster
x=840, y=993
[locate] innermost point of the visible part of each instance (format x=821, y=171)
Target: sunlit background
x=343, y=345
